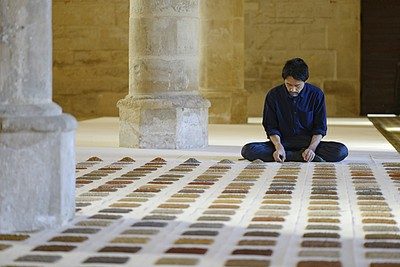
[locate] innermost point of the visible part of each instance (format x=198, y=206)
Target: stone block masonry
x=326, y=34
x=90, y=56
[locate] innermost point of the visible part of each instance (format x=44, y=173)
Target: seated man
x=295, y=121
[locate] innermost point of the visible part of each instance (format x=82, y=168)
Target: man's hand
x=279, y=154
x=308, y=154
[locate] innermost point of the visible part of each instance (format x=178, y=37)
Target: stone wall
x=222, y=60
x=325, y=33
x=90, y=41
x=90, y=55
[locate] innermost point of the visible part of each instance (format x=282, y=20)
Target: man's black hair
x=296, y=68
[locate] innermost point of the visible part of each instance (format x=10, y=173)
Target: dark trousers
x=329, y=151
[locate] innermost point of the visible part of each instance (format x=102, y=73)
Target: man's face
x=294, y=86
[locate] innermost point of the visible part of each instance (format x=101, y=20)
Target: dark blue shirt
x=289, y=116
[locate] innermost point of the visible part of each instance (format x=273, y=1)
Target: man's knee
x=258, y=150
x=332, y=151
x=343, y=152
x=339, y=153
x=247, y=152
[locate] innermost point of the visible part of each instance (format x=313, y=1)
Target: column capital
x=155, y=102
x=22, y=110
x=60, y=123
x=174, y=8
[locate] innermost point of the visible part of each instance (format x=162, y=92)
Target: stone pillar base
x=169, y=122
x=37, y=172
x=227, y=107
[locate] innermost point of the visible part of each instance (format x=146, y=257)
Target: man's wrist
x=278, y=146
x=312, y=148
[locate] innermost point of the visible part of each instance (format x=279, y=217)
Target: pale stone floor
x=359, y=134
x=172, y=212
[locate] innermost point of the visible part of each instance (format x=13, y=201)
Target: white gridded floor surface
x=181, y=211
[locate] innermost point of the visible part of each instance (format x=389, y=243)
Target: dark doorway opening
x=380, y=56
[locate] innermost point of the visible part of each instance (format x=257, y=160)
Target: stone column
x=164, y=108
x=222, y=60
x=37, y=160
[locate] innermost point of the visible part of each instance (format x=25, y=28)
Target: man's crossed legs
x=326, y=151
